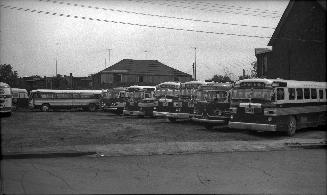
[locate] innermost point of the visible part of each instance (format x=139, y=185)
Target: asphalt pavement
x=297, y=171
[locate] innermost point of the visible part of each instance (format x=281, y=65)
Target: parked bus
x=5, y=99
x=20, y=97
x=165, y=93
x=44, y=99
x=114, y=100
x=212, y=105
x=140, y=101
x=183, y=107
x=278, y=105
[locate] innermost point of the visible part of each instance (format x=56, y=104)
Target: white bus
x=45, y=99
x=5, y=99
x=278, y=105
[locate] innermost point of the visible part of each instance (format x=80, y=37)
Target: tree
x=253, y=72
x=221, y=78
x=7, y=75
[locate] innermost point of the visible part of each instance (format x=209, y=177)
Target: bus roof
x=66, y=91
x=18, y=90
x=216, y=86
x=4, y=84
x=141, y=87
x=169, y=84
x=288, y=83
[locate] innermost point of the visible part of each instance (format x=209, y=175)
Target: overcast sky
x=31, y=41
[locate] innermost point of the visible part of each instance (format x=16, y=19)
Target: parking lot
x=50, y=129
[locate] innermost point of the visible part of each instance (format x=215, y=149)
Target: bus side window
x=321, y=94
x=280, y=93
x=291, y=93
x=299, y=94
x=306, y=93
x=313, y=93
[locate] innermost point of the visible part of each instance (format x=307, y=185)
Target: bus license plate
x=249, y=110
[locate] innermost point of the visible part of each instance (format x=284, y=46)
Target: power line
x=228, y=6
x=203, y=9
x=135, y=24
x=150, y=26
x=157, y=15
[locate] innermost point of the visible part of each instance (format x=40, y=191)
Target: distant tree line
x=8, y=75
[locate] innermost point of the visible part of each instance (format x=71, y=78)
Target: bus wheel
x=172, y=119
x=45, y=107
x=291, y=126
x=92, y=107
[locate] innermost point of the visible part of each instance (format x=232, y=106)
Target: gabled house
x=298, y=44
x=129, y=72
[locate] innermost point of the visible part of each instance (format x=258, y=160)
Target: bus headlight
x=154, y=108
x=231, y=117
x=270, y=119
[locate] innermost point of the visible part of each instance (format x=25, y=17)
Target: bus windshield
x=252, y=94
x=219, y=96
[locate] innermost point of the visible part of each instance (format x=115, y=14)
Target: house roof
x=284, y=17
x=144, y=67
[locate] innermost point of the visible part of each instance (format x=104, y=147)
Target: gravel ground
x=39, y=129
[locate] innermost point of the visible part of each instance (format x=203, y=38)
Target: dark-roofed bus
x=183, y=107
x=212, y=105
x=44, y=99
x=165, y=93
x=278, y=105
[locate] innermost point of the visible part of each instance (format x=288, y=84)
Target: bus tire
x=92, y=107
x=45, y=107
x=172, y=119
x=291, y=126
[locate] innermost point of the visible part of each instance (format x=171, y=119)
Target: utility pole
x=109, y=57
x=105, y=63
x=56, y=67
x=194, y=63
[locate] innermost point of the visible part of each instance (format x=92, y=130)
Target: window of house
x=140, y=79
x=306, y=93
x=321, y=94
x=313, y=94
x=299, y=94
x=265, y=63
x=280, y=93
x=117, y=78
x=291, y=93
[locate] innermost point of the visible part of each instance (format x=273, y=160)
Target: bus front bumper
x=5, y=109
x=208, y=121
x=133, y=113
x=160, y=114
x=179, y=115
x=252, y=126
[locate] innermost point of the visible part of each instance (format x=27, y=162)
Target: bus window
x=299, y=94
x=64, y=95
x=45, y=95
x=291, y=94
x=280, y=93
x=306, y=93
x=313, y=94
x=321, y=94
x=76, y=96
